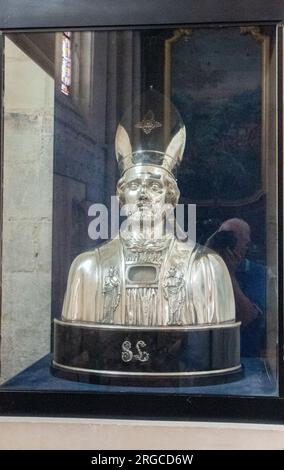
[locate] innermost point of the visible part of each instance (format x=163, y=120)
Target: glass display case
x=142, y=216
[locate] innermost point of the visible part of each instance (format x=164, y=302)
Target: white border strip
x=145, y=374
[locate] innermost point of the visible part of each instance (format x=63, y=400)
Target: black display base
x=147, y=356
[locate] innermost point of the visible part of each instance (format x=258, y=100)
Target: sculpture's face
x=145, y=191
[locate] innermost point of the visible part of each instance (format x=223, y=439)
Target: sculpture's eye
x=155, y=187
x=133, y=186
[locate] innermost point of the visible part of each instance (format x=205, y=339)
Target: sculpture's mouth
x=142, y=204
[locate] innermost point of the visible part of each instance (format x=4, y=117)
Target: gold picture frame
x=266, y=143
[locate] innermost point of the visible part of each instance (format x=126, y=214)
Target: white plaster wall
x=44, y=433
x=27, y=212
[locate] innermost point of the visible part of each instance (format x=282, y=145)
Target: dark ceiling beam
x=40, y=47
x=88, y=13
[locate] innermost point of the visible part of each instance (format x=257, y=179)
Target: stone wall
x=27, y=212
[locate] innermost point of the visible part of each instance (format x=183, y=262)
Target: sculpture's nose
x=143, y=191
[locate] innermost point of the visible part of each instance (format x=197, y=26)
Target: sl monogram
x=127, y=354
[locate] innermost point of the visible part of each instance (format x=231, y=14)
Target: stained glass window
x=66, y=63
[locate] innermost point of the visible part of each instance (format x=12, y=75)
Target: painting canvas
x=216, y=83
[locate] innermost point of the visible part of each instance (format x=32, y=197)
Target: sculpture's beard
x=145, y=230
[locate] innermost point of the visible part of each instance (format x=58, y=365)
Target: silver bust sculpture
x=146, y=277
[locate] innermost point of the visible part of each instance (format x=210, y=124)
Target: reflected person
x=232, y=241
